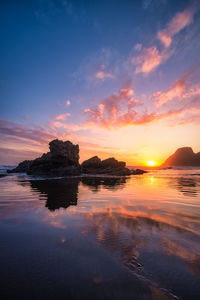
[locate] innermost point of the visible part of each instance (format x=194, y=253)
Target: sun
x=151, y=163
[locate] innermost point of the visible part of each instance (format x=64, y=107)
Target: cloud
x=181, y=89
x=63, y=117
x=138, y=47
x=67, y=103
x=12, y=156
x=19, y=142
x=175, y=91
x=103, y=75
x=179, y=22
x=22, y=142
x=111, y=109
x=146, y=4
x=124, y=108
x=38, y=134
x=148, y=59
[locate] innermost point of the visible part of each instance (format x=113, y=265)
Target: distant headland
x=183, y=157
x=63, y=160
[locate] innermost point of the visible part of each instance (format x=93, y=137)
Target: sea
x=100, y=238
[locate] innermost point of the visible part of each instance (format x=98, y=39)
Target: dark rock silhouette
x=94, y=183
x=63, y=160
x=91, y=163
x=22, y=167
x=109, y=166
x=138, y=172
x=63, y=193
x=183, y=157
x=58, y=193
x=65, y=151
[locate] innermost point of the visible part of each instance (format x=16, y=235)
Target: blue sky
x=61, y=59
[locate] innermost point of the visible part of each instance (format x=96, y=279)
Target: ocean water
x=101, y=238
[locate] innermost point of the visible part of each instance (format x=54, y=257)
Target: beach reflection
x=148, y=224
x=64, y=192
x=57, y=193
x=187, y=186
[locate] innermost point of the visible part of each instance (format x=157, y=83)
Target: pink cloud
x=63, y=117
x=149, y=59
x=103, y=75
x=36, y=134
x=110, y=109
x=179, y=22
x=181, y=89
x=67, y=103
x=175, y=91
x=22, y=142
x=121, y=109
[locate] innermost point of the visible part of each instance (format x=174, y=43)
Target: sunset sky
x=120, y=78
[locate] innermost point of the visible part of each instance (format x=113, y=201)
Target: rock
x=92, y=163
x=113, y=163
x=65, y=150
x=22, y=167
x=109, y=166
x=138, y=172
x=183, y=157
x=62, y=160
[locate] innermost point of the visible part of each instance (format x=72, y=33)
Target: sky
x=120, y=78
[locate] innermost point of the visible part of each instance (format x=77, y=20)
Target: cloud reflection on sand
x=149, y=224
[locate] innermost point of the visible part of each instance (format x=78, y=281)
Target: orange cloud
x=175, y=91
x=149, y=59
x=120, y=110
x=180, y=90
x=109, y=109
x=179, y=22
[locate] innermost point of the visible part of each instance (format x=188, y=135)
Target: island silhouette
x=183, y=157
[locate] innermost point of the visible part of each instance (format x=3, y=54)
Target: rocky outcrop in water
x=22, y=167
x=109, y=166
x=63, y=160
x=183, y=157
x=138, y=172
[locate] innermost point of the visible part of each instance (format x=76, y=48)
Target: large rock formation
x=109, y=166
x=183, y=157
x=66, y=151
x=62, y=160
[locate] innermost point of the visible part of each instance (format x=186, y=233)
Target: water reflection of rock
x=95, y=183
x=188, y=186
x=58, y=193
x=61, y=193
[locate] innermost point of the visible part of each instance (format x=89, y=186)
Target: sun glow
x=151, y=163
